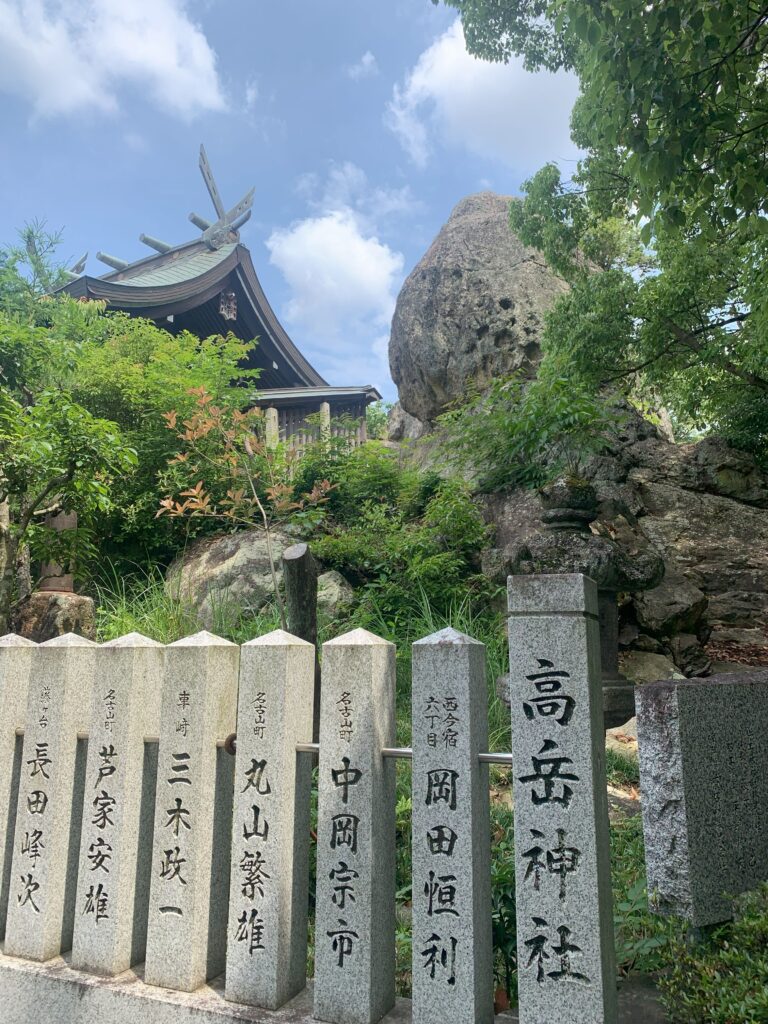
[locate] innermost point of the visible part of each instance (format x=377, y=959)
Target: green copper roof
x=184, y=268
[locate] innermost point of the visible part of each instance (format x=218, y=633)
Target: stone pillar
x=452, y=941
x=115, y=844
x=15, y=668
x=6, y=568
x=267, y=941
x=52, y=577
x=355, y=918
x=566, y=960
x=300, y=583
x=618, y=691
x=271, y=427
x=189, y=894
x=41, y=904
x=325, y=420
x=702, y=746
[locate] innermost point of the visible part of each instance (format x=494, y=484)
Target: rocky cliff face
x=471, y=309
x=702, y=507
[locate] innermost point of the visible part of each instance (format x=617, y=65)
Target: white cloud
x=251, y=94
x=366, y=67
x=343, y=278
x=336, y=272
x=347, y=188
x=65, y=57
x=494, y=110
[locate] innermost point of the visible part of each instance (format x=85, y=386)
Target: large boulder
x=44, y=615
x=658, y=497
x=227, y=570
x=675, y=606
x=333, y=593
x=701, y=507
x=720, y=546
x=471, y=309
x=643, y=667
x=401, y=426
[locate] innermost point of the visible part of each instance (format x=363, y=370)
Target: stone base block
x=53, y=991
x=47, y=614
x=702, y=779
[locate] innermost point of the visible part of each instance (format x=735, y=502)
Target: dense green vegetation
x=82, y=393
x=522, y=433
x=662, y=232
x=724, y=978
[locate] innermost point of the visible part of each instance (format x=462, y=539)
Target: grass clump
x=621, y=771
x=642, y=939
x=724, y=978
x=142, y=603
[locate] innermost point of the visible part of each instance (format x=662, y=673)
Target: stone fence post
x=15, y=669
x=355, y=919
x=452, y=942
x=189, y=894
x=267, y=941
x=41, y=904
x=116, y=840
x=566, y=960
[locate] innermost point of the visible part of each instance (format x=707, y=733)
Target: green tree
x=54, y=455
x=684, y=319
x=29, y=270
x=133, y=372
x=673, y=94
x=120, y=369
x=668, y=202
x=226, y=473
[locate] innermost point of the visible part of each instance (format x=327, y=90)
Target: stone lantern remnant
x=567, y=545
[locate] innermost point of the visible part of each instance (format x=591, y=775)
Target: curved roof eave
x=246, y=272
x=162, y=299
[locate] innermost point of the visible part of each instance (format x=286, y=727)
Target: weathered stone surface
x=718, y=544
x=623, y=740
x=650, y=644
x=189, y=893
x=471, y=309
x=116, y=836
x=562, y=848
x=227, y=569
x=452, y=962
x=15, y=669
x=715, y=547
x=45, y=615
x=675, y=606
x=702, y=776
x=333, y=592
x=41, y=905
x=355, y=917
x=588, y=554
x=689, y=656
x=516, y=518
x=267, y=937
x=710, y=467
x=647, y=667
x=401, y=426
x=55, y=992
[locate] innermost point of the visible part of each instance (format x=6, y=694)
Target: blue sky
x=360, y=124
